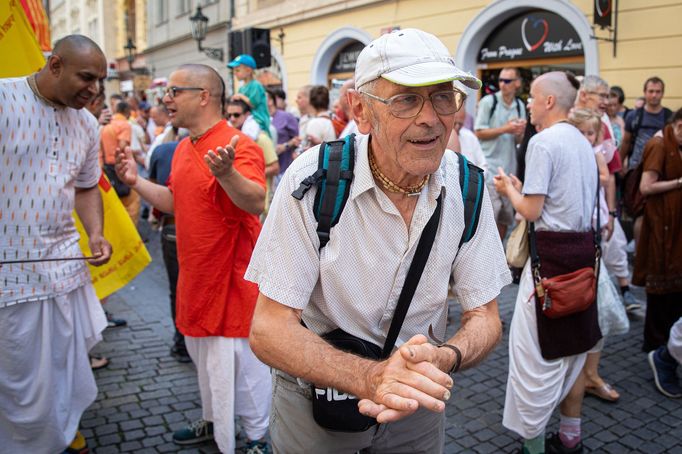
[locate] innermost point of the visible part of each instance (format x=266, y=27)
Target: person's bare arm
x=278, y=339
x=159, y=196
x=625, y=146
x=494, y=133
x=88, y=204
x=272, y=169
x=509, y=186
x=650, y=184
x=246, y=194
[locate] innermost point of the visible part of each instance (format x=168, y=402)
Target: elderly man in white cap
x=404, y=101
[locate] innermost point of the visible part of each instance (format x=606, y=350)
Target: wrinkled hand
x=126, y=166
x=220, y=162
x=100, y=248
x=410, y=378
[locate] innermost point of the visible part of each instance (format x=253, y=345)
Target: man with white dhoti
x=558, y=194
x=49, y=314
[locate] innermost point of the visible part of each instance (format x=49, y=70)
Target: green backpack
x=334, y=175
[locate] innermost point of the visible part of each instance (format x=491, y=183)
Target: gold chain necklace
x=33, y=85
x=389, y=185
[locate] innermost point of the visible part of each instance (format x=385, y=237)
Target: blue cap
x=243, y=59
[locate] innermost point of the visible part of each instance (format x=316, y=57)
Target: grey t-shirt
x=500, y=151
x=560, y=165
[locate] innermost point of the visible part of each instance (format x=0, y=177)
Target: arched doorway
x=487, y=23
x=330, y=48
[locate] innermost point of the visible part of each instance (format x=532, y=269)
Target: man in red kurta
x=216, y=190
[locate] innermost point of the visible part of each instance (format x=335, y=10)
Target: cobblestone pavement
x=144, y=394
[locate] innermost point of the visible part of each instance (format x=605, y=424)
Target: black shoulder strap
x=668, y=115
x=492, y=109
x=471, y=182
x=518, y=107
x=639, y=117
x=414, y=274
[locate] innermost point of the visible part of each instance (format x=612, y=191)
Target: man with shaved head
x=50, y=316
x=546, y=355
x=216, y=190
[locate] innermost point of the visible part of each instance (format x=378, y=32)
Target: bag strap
x=334, y=174
x=414, y=274
x=471, y=183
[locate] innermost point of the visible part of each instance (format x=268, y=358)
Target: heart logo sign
x=603, y=10
x=535, y=23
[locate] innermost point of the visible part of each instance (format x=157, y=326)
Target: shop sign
x=602, y=12
x=344, y=61
x=534, y=34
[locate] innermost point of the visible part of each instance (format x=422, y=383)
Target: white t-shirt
x=471, y=148
x=45, y=154
x=560, y=165
x=321, y=128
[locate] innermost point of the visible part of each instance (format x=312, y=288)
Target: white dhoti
x=675, y=341
x=535, y=386
x=46, y=382
x=232, y=382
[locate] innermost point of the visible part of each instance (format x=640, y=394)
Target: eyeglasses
x=234, y=115
x=604, y=96
x=408, y=105
x=172, y=92
x=506, y=81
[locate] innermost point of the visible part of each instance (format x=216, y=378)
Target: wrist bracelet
x=613, y=213
x=458, y=360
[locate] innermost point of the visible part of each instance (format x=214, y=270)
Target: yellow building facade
x=313, y=42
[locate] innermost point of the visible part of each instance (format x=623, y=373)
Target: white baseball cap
x=412, y=58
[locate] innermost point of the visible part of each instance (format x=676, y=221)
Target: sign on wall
x=603, y=10
x=533, y=34
x=344, y=61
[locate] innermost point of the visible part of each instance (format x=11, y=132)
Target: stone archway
x=499, y=11
x=331, y=45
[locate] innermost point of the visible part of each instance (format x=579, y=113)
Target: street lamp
x=199, y=27
x=130, y=49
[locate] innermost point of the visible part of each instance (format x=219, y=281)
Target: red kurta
x=215, y=238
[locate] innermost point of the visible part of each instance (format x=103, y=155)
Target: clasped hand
x=410, y=378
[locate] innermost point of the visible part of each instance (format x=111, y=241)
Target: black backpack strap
x=518, y=106
x=471, y=182
x=492, y=109
x=421, y=255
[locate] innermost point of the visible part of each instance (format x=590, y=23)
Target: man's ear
x=55, y=65
x=360, y=111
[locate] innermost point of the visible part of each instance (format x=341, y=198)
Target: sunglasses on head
x=506, y=81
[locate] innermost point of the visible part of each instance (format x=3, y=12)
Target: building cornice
x=181, y=38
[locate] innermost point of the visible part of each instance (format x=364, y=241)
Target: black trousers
x=170, y=259
x=662, y=311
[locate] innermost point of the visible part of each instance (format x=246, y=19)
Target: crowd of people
x=296, y=317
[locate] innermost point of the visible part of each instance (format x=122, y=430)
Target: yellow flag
x=21, y=54
x=130, y=256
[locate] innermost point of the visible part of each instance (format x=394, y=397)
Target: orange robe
x=215, y=238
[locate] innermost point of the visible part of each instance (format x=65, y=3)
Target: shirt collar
x=364, y=181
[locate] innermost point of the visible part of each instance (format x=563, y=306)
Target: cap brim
x=431, y=73
x=233, y=64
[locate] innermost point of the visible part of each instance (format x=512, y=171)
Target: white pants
x=614, y=254
x=675, y=341
x=535, y=386
x=232, y=382
x=46, y=382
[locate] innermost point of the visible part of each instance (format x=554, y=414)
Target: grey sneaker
x=197, y=432
x=630, y=302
